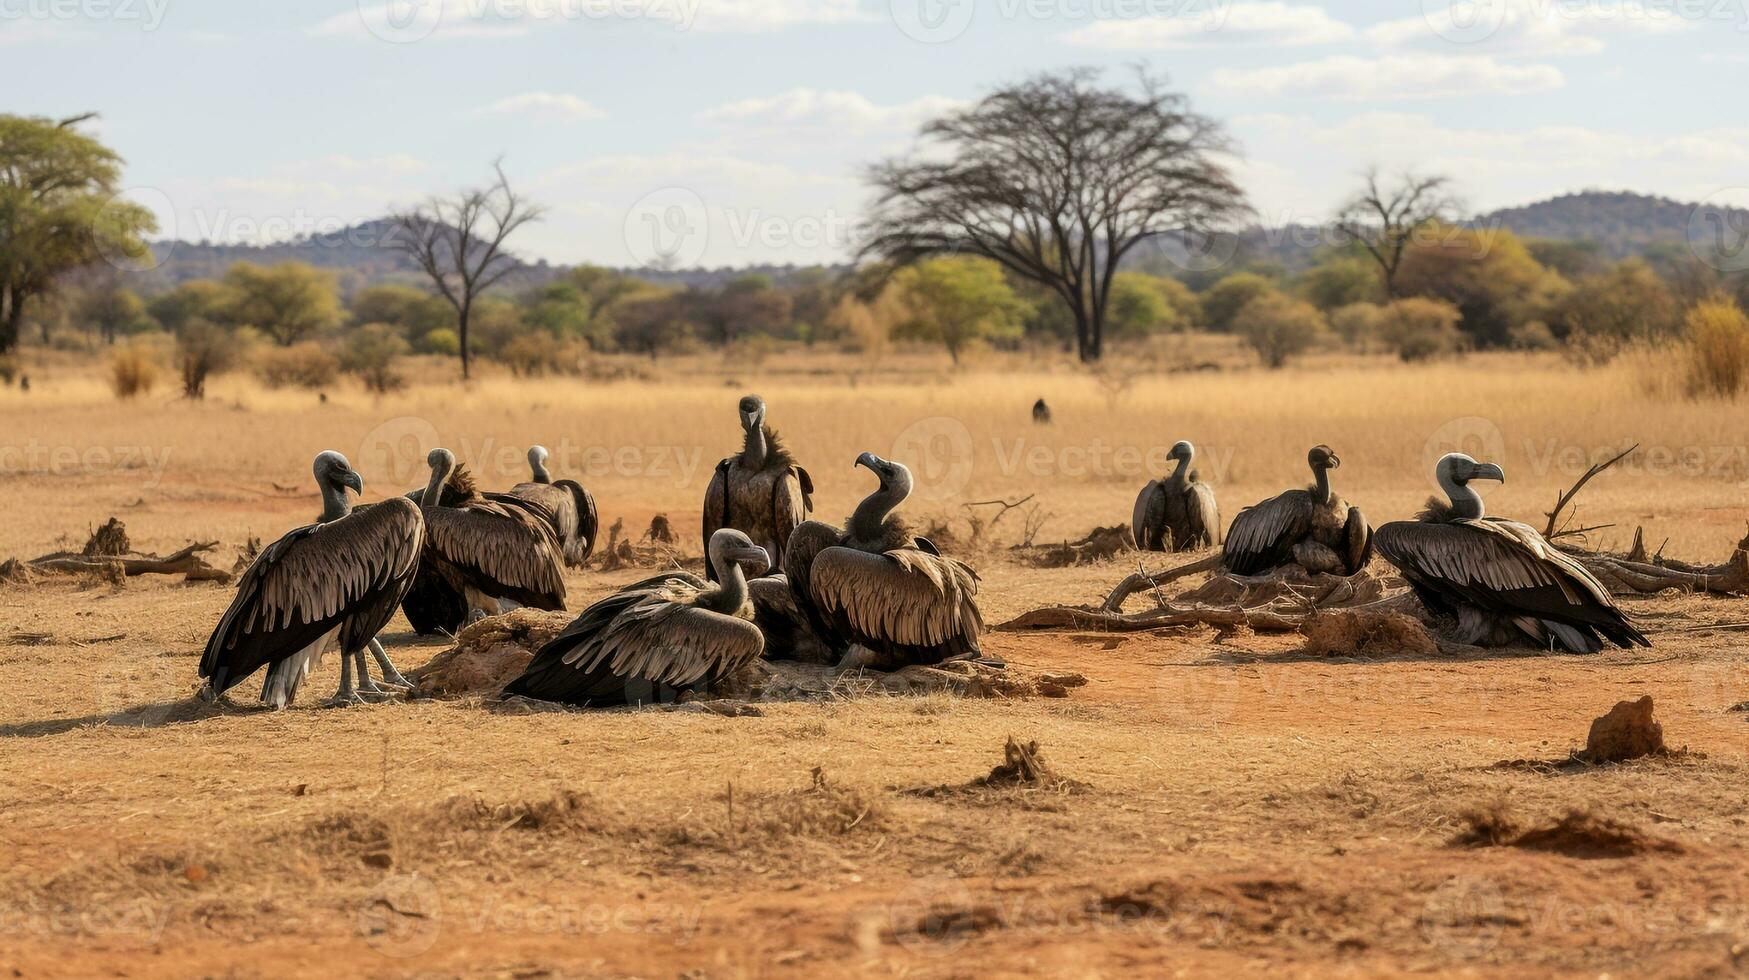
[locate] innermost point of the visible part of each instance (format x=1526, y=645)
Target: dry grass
x=1239, y=806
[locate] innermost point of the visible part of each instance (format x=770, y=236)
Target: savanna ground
x=1234, y=806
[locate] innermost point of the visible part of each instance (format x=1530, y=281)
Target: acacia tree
x=1057, y=179
x=1383, y=221
x=58, y=211
x=458, y=242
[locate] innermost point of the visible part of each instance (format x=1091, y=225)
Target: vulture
x=876, y=586
x=1041, y=413
x=1179, y=512
x=761, y=492
x=334, y=583
x=646, y=642
x=789, y=633
x=497, y=551
x=572, y=507
x=1499, y=579
x=1312, y=527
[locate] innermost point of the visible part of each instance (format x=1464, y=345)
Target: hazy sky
x=244, y=121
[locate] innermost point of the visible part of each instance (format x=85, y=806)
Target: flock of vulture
x=781, y=586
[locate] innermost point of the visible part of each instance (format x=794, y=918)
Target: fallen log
x=186, y=562
x=1624, y=575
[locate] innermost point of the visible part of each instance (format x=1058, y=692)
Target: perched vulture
x=334, y=583
x=571, y=506
x=646, y=642
x=1041, y=413
x=761, y=492
x=1179, y=512
x=1499, y=579
x=875, y=586
x=789, y=634
x=1313, y=528
x=499, y=552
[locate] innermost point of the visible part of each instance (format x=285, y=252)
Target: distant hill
x=1622, y=223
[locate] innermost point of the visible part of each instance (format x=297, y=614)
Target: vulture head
x=1323, y=458
x=895, y=478
x=1458, y=469
x=752, y=411
x=1182, y=450
x=537, y=464
x=333, y=470
x=442, y=463
x=730, y=547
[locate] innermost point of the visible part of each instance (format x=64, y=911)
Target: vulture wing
x=499, y=549
x=906, y=603
x=588, y=521
x=788, y=633
x=1356, y=541
x=1508, y=569
x=1149, y=516
x=1204, y=514
x=716, y=509
x=347, y=574
x=789, y=508
x=1263, y=535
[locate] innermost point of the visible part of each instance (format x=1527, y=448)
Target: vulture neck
x=1182, y=473
x=871, y=514
x=1466, y=504
x=1322, y=473
x=754, y=449
x=539, y=468
x=731, y=592
x=334, y=503
x=434, y=489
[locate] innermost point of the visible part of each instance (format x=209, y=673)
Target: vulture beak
x=1488, y=471
x=869, y=460
x=1335, y=461
x=353, y=480
x=756, y=561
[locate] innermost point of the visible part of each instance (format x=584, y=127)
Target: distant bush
x=8, y=369
x=443, y=341
x=203, y=348
x=302, y=365
x=133, y=371
x=370, y=353
x=533, y=354
x=1533, y=335
x=1421, y=329
x=1718, y=336
x=1358, y=324
x=1279, y=327
x=1225, y=299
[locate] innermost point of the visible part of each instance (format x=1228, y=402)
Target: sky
x=736, y=132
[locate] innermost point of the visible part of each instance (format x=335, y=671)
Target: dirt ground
x=1225, y=804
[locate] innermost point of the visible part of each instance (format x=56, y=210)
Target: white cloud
x=408, y=21
x=1391, y=77
x=1299, y=166
x=552, y=105
x=1278, y=24
x=764, y=15
x=1534, y=27
x=827, y=111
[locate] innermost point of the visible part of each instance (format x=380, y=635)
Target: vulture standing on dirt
x=1179, y=512
x=1041, y=413
x=761, y=492
x=497, y=551
x=1499, y=579
x=572, y=507
x=645, y=642
x=332, y=583
x=876, y=586
x=1313, y=527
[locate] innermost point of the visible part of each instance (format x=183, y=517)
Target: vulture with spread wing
x=1498, y=579
x=1177, y=513
x=334, y=583
x=762, y=492
x=1312, y=528
x=648, y=641
x=496, y=551
x=571, y=507
x=875, y=587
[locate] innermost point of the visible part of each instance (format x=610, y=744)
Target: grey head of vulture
x=331, y=584
x=537, y=465
x=650, y=640
x=1498, y=581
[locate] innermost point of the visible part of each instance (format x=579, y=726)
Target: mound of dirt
x=1580, y=833
x=1628, y=731
x=488, y=654
x=1353, y=633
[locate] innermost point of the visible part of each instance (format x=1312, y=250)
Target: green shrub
x=1421, y=329
x=1279, y=327
x=370, y=353
x=302, y=365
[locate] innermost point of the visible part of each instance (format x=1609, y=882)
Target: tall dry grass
x=1718, y=337
x=133, y=371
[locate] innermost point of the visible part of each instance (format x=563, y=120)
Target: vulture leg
x=391, y=676
x=368, y=689
x=346, y=696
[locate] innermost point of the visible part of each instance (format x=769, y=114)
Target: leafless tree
x=1057, y=179
x=1384, y=220
x=459, y=243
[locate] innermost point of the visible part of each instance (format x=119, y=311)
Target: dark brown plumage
x=1178, y=512
x=1312, y=528
x=571, y=508
x=762, y=492
x=498, y=553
